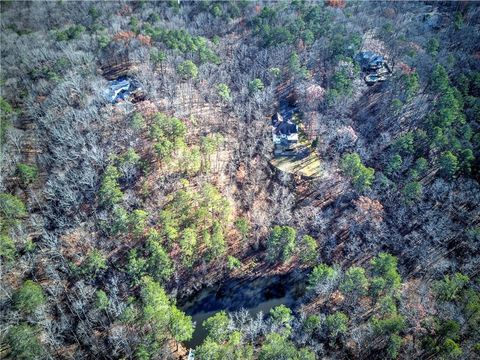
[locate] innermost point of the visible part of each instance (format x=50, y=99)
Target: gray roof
x=276, y=118
x=369, y=58
x=119, y=89
x=286, y=128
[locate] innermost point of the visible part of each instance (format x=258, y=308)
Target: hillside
x=240, y=180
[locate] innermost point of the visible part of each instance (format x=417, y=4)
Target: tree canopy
x=360, y=175
x=281, y=243
x=29, y=296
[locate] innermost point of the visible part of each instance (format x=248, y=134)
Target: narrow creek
x=254, y=295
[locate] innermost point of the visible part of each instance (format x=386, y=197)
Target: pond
x=255, y=295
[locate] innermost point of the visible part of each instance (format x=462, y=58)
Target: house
x=370, y=61
x=285, y=136
x=119, y=89
x=374, y=65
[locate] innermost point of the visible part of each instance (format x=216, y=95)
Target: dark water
x=255, y=295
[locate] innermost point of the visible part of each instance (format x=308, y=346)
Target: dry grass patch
x=308, y=166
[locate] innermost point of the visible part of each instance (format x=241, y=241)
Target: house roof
x=286, y=128
x=120, y=89
x=117, y=85
x=277, y=118
x=369, y=58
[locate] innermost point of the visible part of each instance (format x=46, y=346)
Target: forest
x=240, y=180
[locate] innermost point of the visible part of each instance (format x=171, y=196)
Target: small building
x=285, y=136
x=432, y=20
